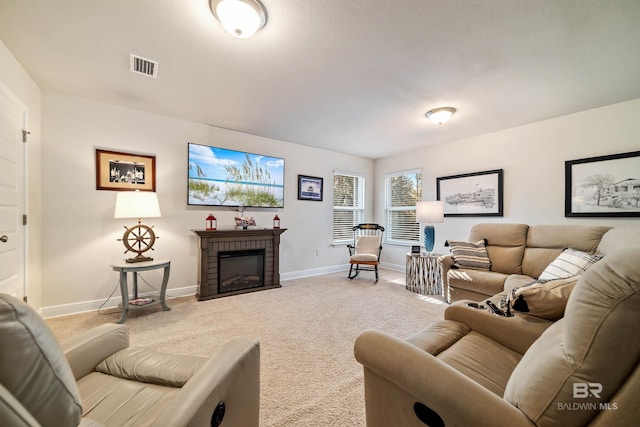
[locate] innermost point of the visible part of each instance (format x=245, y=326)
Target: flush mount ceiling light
x=440, y=115
x=241, y=18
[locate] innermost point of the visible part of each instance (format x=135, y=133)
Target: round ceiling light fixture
x=440, y=115
x=241, y=18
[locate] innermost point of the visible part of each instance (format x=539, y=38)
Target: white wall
x=80, y=234
x=73, y=236
x=16, y=81
x=533, y=158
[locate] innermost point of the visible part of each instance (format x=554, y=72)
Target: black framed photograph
x=125, y=171
x=472, y=194
x=309, y=188
x=604, y=186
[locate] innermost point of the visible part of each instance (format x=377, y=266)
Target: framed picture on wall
x=472, y=194
x=604, y=186
x=124, y=171
x=309, y=188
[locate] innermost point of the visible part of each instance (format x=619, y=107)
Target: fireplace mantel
x=212, y=242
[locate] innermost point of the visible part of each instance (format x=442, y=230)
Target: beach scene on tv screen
x=223, y=177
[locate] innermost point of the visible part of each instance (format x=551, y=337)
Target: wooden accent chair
x=365, y=251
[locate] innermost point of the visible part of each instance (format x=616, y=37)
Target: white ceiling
x=354, y=76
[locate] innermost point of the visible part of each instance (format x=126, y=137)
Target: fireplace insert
x=241, y=269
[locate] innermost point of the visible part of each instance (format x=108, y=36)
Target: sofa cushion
x=546, y=241
x=569, y=263
x=505, y=244
x=483, y=360
x=543, y=299
x=516, y=281
x=469, y=255
x=33, y=367
x=367, y=248
x=618, y=238
x=599, y=326
x=479, y=281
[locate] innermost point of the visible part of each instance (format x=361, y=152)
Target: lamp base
x=429, y=237
x=139, y=239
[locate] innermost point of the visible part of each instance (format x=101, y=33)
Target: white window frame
x=389, y=231
x=358, y=209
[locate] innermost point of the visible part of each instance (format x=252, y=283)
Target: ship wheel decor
x=138, y=238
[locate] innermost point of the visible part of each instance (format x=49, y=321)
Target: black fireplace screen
x=242, y=269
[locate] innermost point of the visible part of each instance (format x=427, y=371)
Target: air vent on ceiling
x=144, y=66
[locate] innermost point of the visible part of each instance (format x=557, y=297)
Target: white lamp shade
x=241, y=18
x=137, y=204
x=430, y=212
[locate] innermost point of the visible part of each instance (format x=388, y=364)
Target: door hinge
x=24, y=220
x=24, y=298
x=24, y=135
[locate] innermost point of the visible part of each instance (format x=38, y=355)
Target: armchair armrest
x=87, y=349
x=231, y=376
x=351, y=248
x=517, y=332
x=445, y=262
x=421, y=377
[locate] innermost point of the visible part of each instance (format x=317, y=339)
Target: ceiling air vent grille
x=143, y=66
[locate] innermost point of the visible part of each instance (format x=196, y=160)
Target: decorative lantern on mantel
x=276, y=221
x=212, y=223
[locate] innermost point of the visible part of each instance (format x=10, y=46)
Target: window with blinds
x=348, y=205
x=403, y=190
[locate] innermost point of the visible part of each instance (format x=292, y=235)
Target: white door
x=12, y=173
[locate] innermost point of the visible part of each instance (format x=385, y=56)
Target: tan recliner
x=96, y=379
x=476, y=368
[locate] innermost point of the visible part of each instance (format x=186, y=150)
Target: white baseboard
x=396, y=267
x=313, y=272
x=85, y=306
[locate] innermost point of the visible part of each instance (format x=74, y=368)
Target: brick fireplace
x=237, y=261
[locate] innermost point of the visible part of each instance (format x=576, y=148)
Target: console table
x=124, y=268
x=423, y=273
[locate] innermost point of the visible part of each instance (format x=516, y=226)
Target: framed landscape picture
x=123, y=171
x=604, y=186
x=309, y=188
x=472, y=194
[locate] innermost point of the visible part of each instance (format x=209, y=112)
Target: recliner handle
x=218, y=414
x=427, y=415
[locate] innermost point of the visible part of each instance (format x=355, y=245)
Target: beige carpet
x=306, y=330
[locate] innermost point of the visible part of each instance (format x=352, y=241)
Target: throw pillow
x=569, y=263
x=546, y=299
x=470, y=255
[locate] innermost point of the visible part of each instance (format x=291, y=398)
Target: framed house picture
x=124, y=171
x=604, y=186
x=309, y=188
x=472, y=194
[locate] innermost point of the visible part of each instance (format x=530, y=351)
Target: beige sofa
x=478, y=369
x=96, y=379
x=519, y=253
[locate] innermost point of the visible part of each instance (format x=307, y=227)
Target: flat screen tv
x=223, y=177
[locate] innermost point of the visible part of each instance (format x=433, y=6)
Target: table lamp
x=137, y=204
x=427, y=213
